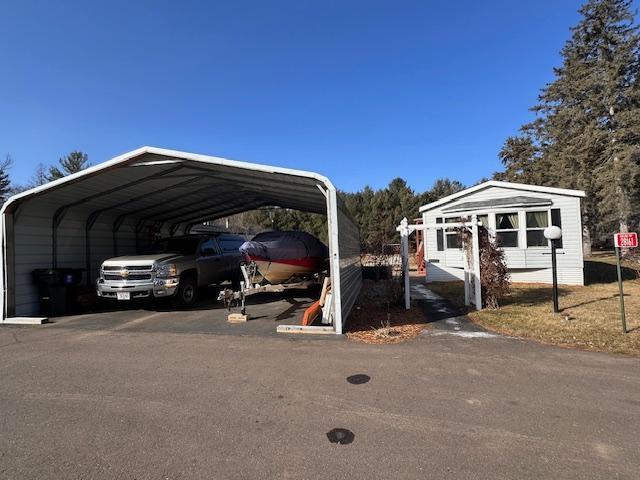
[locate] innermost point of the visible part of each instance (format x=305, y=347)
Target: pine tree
x=39, y=177
x=71, y=163
x=600, y=123
x=587, y=132
x=521, y=157
x=443, y=187
x=5, y=182
x=360, y=206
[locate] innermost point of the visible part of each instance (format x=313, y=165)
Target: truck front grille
x=132, y=277
x=124, y=273
x=131, y=268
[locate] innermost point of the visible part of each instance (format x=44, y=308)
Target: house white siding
x=525, y=263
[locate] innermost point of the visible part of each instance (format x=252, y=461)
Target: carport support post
x=87, y=246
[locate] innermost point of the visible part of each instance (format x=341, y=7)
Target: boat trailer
x=251, y=285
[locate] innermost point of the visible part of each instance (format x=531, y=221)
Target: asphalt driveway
x=113, y=403
x=209, y=316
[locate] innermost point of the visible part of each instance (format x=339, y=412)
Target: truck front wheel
x=186, y=294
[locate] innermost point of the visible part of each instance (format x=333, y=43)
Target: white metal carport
x=101, y=212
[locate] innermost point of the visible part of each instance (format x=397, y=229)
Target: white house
x=516, y=214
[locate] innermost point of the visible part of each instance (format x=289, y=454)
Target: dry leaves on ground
x=376, y=324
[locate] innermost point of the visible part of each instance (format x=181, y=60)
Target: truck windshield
x=181, y=245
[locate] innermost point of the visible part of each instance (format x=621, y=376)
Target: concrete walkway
x=443, y=317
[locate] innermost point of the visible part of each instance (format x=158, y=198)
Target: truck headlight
x=167, y=270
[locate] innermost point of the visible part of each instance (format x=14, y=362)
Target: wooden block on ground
x=237, y=318
x=308, y=329
x=325, y=288
x=24, y=321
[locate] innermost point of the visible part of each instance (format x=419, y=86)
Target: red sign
x=625, y=240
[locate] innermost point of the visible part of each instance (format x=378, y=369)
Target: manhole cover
x=341, y=436
x=358, y=379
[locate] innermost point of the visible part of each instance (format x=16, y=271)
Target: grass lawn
x=589, y=316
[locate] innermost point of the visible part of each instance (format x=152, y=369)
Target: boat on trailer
x=281, y=256
x=279, y=261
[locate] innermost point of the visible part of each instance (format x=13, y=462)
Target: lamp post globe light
x=553, y=234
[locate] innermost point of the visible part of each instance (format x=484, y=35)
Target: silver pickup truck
x=173, y=268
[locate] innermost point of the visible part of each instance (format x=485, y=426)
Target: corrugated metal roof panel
x=143, y=181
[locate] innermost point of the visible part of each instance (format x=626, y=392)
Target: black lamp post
x=554, y=234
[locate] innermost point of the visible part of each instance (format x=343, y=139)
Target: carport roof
x=161, y=185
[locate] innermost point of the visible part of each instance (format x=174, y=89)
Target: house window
x=507, y=229
x=451, y=234
x=484, y=220
x=439, y=236
x=536, y=223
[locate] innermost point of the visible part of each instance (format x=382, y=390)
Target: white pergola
x=472, y=287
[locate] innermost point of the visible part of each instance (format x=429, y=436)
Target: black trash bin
x=57, y=289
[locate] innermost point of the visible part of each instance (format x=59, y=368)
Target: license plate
x=123, y=295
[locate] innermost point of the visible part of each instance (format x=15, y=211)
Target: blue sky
x=362, y=91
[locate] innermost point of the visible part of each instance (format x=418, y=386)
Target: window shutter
x=556, y=220
x=439, y=236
